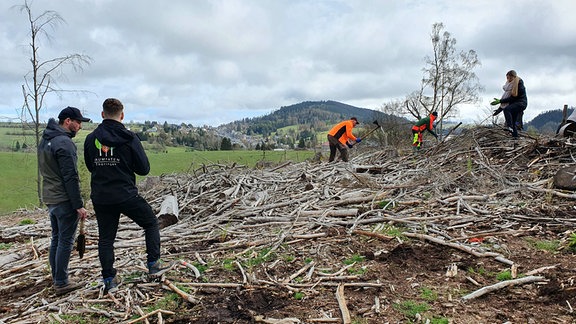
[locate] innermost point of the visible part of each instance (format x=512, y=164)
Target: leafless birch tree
x=41, y=80
x=448, y=81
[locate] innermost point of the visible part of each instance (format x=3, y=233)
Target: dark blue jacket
x=114, y=155
x=57, y=158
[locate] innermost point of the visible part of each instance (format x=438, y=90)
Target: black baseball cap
x=72, y=113
x=355, y=119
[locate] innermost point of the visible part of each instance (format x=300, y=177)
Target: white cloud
x=211, y=62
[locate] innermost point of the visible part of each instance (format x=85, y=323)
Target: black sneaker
x=157, y=269
x=110, y=285
x=64, y=289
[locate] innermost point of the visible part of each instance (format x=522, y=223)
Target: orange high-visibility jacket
x=426, y=123
x=343, y=131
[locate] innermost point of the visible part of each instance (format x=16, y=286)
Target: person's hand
x=495, y=102
x=82, y=213
x=497, y=111
x=358, y=140
x=349, y=145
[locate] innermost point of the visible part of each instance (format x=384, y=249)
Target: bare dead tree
x=449, y=80
x=41, y=80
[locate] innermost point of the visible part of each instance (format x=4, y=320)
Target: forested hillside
x=311, y=116
x=548, y=121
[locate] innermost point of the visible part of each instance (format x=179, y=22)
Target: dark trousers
x=64, y=220
x=336, y=145
x=511, y=113
x=108, y=216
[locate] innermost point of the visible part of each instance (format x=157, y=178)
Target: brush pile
x=318, y=242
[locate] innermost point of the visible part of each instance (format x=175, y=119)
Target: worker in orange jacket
x=340, y=138
x=426, y=123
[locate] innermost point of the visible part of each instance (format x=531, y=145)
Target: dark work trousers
x=336, y=145
x=511, y=113
x=108, y=216
x=64, y=220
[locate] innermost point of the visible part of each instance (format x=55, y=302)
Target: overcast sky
x=212, y=62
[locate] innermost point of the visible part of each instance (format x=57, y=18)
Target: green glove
x=495, y=102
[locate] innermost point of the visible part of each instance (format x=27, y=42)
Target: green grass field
x=18, y=185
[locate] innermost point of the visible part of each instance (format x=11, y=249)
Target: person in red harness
x=339, y=137
x=426, y=123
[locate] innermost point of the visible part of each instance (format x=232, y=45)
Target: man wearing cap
x=339, y=138
x=426, y=123
x=57, y=159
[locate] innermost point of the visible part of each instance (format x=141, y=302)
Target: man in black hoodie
x=113, y=155
x=58, y=159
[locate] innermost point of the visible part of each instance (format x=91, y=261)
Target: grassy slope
x=18, y=184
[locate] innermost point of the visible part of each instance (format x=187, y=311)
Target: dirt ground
x=413, y=286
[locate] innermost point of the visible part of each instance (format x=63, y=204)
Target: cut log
x=503, y=284
x=168, y=212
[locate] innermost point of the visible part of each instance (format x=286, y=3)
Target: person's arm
x=66, y=158
x=349, y=134
x=521, y=94
x=432, y=132
x=141, y=165
x=87, y=157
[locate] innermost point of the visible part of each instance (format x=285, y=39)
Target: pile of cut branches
x=235, y=223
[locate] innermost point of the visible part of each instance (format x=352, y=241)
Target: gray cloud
x=212, y=62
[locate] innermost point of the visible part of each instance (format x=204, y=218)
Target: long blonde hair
x=515, y=81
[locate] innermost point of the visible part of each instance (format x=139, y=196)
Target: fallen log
x=168, y=212
x=346, y=319
x=503, y=284
x=181, y=293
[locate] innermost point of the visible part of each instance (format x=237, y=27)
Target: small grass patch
x=256, y=259
x=504, y=275
x=543, y=245
x=410, y=308
x=428, y=294
x=5, y=246
x=478, y=271
x=299, y=295
x=440, y=320
x=79, y=319
x=389, y=230
x=228, y=264
x=288, y=258
x=201, y=267
x=387, y=204
x=356, y=258
x=169, y=302
x=27, y=221
x=572, y=242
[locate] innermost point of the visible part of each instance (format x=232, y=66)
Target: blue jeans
x=511, y=114
x=108, y=216
x=64, y=220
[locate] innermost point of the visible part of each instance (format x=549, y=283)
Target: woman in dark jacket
x=517, y=102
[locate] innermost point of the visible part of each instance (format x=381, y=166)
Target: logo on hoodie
x=106, y=155
x=103, y=148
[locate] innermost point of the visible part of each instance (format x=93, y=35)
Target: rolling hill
x=309, y=115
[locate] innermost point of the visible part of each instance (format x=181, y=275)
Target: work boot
x=60, y=290
x=157, y=269
x=111, y=285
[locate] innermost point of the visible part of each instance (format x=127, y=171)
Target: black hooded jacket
x=113, y=155
x=57, y=158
